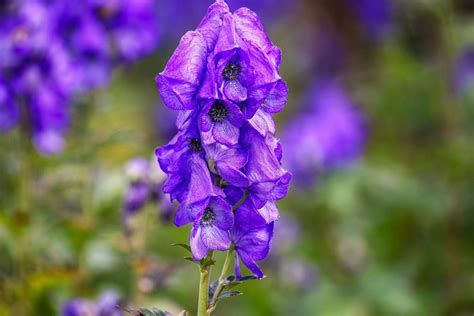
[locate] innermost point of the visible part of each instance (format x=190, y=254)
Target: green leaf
x=191, y=260
x=228, y=294
x=185, y=246
x=148, y=312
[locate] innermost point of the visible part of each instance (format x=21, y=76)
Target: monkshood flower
x=464, y=73
x=107, y=305
x=330, y=133
x=375, y=16
x=145, y=183
x=224, y=164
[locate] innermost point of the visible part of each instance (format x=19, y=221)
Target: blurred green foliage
x=394, y=235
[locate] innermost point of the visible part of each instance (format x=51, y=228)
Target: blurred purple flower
x=376, y=16
x=285, y=262
x=174, y=21
x=9, y=111
x=107, y=305
x=464, y=75
x=144, y=185
x=53, y=50
x=329, y=133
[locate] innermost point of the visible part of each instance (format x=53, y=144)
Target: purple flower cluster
x=223, y=165
x=53, y=50
x=107, y=305
x=145, y=184
x=328, y=134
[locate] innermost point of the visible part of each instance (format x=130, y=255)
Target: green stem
x=203, y=291
x=204, y=287
x=222, y=279
x=242, y=200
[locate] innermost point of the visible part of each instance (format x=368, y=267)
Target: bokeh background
x=378, y=131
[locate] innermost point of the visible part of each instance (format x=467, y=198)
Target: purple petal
x=276, y=100
x=198, y=248
x=200, y=183
x=215, y=238
x=269, y=212
x=235, y=91
x=249, y=28
x=250, y=263
x=205, y=122
x=256, y=242
x=211, y=25
x=232, y=175
x=223, y=211
x=226, y=133
x=179, y=82
x=263, y=123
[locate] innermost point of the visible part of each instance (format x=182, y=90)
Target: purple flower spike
x=211, y=228
x=224, y=80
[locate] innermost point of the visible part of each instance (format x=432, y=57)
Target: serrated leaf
x=184, y=246
x=228, y=294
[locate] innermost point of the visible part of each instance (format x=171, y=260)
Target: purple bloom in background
x=132, y=25
x=223, y=79
x=107, y=305
x=78, y=307
x=376, y=16
x=54, y=50
x=464, y=75
x=329, y=133
x=289, y=267
x=171, y=13
x=145, y=183
x=9, y=111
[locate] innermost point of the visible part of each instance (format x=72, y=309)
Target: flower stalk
x=222, y=281
x=203, y=290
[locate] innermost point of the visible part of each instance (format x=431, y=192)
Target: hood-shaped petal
x=179, y=82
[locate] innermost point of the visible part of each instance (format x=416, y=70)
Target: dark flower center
x=195, y=145
x=208, y=217
x=218, y=112
x=231, y=71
